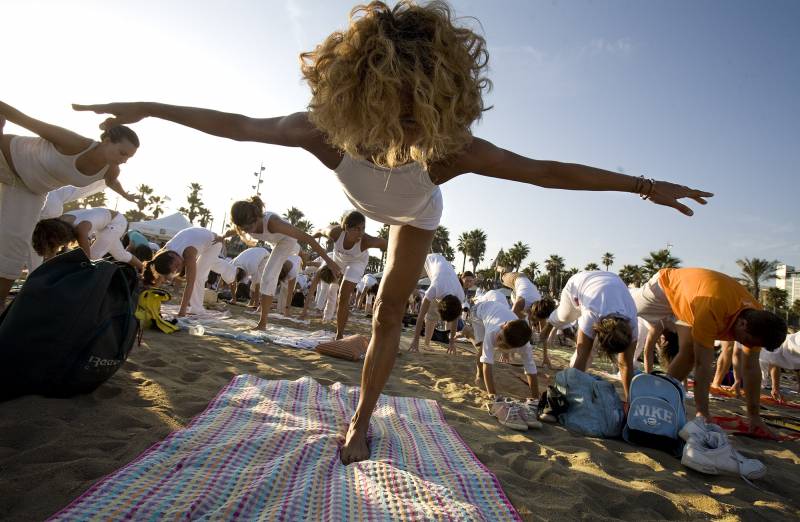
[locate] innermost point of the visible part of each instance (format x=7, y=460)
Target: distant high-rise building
x=788, y=279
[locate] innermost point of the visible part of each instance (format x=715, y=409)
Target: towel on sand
x=269, y=450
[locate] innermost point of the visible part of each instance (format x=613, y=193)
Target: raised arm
x=66, y=141
x=293, y=130
x=374, y=242
x=486, y=159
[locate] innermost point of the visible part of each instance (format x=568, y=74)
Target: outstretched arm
x=375, y=242
x=293, y=130
x=66, y=141
x=486, y=159
x=279, y=226
x=112, y=182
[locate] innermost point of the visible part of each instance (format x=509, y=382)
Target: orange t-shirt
x=707, y=300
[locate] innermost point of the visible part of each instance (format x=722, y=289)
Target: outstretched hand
x=124, y=113
x=668, y=194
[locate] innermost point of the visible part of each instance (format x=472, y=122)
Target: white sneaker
x=712, y=454
x=696, y=427
x=530, y=410
x=509, y=414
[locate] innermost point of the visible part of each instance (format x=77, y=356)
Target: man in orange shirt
x=709, y=305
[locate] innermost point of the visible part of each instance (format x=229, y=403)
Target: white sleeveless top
x=348, y=254
x=100, y=218
x=273, y=238
x=401, y=196
x=42, y=168
x=198, y=237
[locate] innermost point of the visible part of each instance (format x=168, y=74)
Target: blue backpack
x=656, y=412
x=594, y=408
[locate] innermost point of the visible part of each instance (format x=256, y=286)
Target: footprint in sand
x=156, y=362
x=189, y=376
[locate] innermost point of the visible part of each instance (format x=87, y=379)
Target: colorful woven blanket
x=269, y=450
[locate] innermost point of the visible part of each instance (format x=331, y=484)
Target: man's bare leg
x=406, y=253
x=723, y=364
x=343, y=307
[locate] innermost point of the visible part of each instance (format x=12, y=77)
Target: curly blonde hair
x=400, y=84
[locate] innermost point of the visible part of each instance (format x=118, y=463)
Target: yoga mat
x=269, y=450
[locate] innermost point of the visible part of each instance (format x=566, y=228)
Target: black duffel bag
x=69, y=329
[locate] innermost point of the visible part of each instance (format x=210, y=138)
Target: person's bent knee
x=388, y=313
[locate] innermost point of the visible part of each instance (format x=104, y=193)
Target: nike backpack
x=656, y=412
x=69, y=329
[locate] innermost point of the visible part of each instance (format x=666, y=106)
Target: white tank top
x=98, y=217
x=401, y=196
x=273, y=238
x=198, y=237
x=348, y=254
x=42, y=168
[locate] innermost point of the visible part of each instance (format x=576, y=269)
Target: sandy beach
x=52, y=450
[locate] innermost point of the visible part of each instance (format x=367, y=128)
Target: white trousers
x=280, y=253
x=19, y=213
x=205, y=260
x=110, y=240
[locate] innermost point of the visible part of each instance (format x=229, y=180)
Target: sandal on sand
x=508, y=414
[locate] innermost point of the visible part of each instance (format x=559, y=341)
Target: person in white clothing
x=496, y=327
x=253, y=222
x=524, y=293
x=605, y=310
x=351, y=251
x=394, y=97
x=249, y=265
x=30, y=167
x=323, y=291
x=787, y=357
x=287, y=280
x=98, y=231
x=365, y=288
x=443, y=300
x=194, y=251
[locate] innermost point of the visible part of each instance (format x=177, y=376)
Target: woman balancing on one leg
x=393, y=100
x=252, y=220
x=30, y=167
x=193, y=251
x=104, y=225
x=351, y=252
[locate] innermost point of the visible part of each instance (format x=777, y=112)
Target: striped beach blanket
x=269, y=450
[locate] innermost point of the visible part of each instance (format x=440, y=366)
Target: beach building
x=788, y=278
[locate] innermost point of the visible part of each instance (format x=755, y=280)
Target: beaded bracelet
x=645, y=195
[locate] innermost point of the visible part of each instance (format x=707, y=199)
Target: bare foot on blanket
x=355, y=447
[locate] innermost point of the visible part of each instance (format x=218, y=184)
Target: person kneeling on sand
x=496, y=327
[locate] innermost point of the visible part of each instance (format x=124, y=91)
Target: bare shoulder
x=476, y=157
x=298, y=129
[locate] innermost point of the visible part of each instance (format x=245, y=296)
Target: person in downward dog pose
x=322, y=292
x=249, y=266
x=447, y=296
x=524, y=293
x=604, y=309
x=365, y=288
x=287, y=280
x=351, y=252
x=30, y=167
x=393, y=100
x=253, y=222
x=194, y=251
x=104, y=225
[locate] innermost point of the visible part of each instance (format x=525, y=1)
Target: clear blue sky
x=698, y=92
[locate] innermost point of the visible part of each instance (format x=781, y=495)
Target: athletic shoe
x=508, y=414
x=530, y=411
x=696, y=427
x=713, y=454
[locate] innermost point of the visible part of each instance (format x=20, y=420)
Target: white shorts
x=109, y=240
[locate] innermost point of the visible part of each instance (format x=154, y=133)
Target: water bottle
x=197, y=329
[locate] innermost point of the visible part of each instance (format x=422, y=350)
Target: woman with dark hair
x=30, y=167
x=193, y=251
x=351, y=252
x=393, y=100
x=253, y=222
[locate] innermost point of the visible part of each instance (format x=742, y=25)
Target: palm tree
x=754, y=272
x=293, y=215
x=155, y=204
x=608, y=260
x=142, y=193
x=477, y=247
x=777, y=299
x=462, y=246
x=658, y=260
x=554, y=266
x=441, y=240
x=194, y=201
x=205, y=217
x=517, y=254
x=591, y=266
x=532, y=270
x=631, y=275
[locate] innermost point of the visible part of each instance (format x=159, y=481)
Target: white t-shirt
x=444, y=280
x=597, y=294
x=493, y=295
x=523, y=287
x=488, y=318
x=250, y=259
x=98, y=217
x=198, y=237
x=787, y=356
x=55, y=200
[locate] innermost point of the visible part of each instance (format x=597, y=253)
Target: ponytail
x=246, y=212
